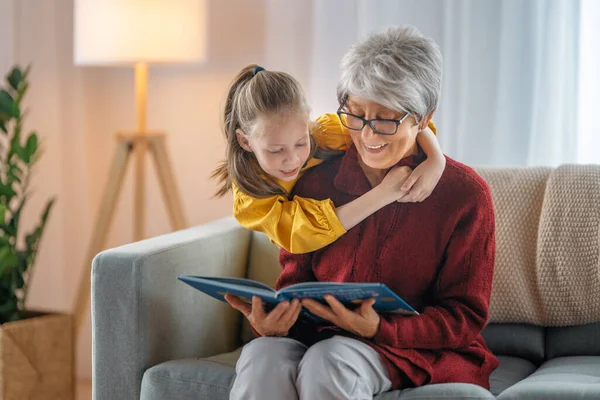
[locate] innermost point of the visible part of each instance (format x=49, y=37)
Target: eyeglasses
x=379, y=125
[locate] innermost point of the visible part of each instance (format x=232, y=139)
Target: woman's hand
x=277, y=322
x=393, y=182
x=423, y=180
x=363, y=322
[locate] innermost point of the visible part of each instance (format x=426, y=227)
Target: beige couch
x=156, y=338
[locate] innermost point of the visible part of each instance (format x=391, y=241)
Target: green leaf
x=13, y=177
x=47, y=211
x=15, y=78
x=7, y=191
x=6, y=101
x=8, y=259
x=3, y=209
x=3, y=126
x=32, y=144
x=8, y=229
x=22, y=92
x=21, y=152
x=8, y=105
x=9, y=306
x=18, y=280
x=16, y=169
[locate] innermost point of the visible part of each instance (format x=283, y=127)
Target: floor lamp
x=135, y=33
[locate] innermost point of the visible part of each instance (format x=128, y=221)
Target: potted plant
x=36, y=351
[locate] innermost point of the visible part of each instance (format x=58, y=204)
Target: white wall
x=7, y=33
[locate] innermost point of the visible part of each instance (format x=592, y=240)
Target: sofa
x=156, y=338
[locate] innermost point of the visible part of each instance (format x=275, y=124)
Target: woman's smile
x=375, y=149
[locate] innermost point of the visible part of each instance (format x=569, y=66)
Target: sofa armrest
x=143, y=315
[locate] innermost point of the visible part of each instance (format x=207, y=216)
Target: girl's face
x=281, y=144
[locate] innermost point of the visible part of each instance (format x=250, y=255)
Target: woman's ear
x=425, y=122
x=243, y=140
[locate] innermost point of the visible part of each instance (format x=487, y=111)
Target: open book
x=349, y=294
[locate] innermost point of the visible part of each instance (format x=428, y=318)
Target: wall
x=77, y=111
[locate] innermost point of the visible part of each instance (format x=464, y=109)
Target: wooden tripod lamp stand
x=135, y=33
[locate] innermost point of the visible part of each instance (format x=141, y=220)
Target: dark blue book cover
x=349, y=294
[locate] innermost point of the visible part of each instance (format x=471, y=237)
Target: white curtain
x=588, y=150
x=511, y=71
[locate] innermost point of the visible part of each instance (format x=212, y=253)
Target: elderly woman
x=438, y=255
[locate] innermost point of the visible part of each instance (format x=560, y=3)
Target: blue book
x=349, y=294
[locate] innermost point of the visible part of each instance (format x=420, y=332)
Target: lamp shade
x=125, y=32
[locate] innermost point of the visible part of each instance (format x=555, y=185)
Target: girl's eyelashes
x=275, y=151
x=301, y=144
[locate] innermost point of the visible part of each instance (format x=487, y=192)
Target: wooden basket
x=36, y=358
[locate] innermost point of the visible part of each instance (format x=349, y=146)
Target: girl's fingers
x=409, y=183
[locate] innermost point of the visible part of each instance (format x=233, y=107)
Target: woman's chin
x=377, y=161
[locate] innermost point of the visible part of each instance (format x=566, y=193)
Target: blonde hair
x=253, y=95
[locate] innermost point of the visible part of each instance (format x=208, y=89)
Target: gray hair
x=399, y=68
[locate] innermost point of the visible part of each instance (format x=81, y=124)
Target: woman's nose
x=367, y=132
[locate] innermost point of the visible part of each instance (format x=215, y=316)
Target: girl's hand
x=392, y=183
x=423, y=180
x=363, y=322
x=277, y=322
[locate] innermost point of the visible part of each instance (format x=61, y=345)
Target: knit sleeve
x=299, y=225
x=461, y=291
x=296, y=268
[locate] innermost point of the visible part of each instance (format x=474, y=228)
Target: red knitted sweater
x=438, y=255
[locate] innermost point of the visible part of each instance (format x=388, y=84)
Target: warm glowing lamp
x=135, y=33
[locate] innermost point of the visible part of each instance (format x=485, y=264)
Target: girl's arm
x=304, y=225
x=426, y=176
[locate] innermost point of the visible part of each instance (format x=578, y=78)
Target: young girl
x=271, y=142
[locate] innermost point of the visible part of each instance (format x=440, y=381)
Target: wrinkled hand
x=277, y=322
x=393, y=182
x=423, y=180
x=363, y=321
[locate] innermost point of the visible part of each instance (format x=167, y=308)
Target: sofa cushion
x=207, y=378
x=263, y=266
x=518, y=195
x=510, y=371
x=568, y=263
x=212, y=377
x=581, y=340
x=444, y=391
x=547, y=244
x=516, y=340
x=560, y=378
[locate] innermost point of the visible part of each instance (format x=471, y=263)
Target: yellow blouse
x=299, y=225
